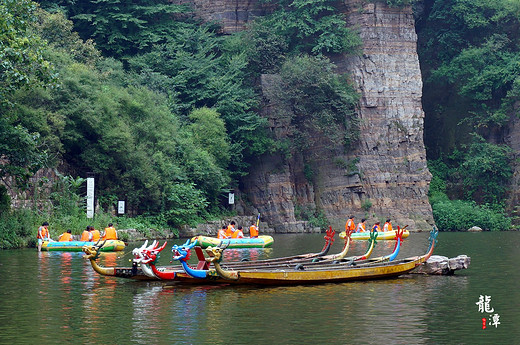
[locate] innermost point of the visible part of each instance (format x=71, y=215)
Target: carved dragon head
x=182, y=252
x=216, y=253
x=92, y=250
x=146, y=255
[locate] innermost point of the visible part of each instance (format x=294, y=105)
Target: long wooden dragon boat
x=312, y=273
x=139, y=267
x=262, y=241
x=77, y=246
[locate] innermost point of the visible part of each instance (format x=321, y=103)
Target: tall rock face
x=385, y=175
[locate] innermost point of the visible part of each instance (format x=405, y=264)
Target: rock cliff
x=390, y=178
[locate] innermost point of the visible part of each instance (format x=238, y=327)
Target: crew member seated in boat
x=238, y=233
x=86, y=235
x=66, y=236
x=387, y=226
x=376, y=227
x=110, y=233
x=230, y=229
x=253, y=230
x=222, y=233
x=350, y=225
x=96, y=235
x=361, y=225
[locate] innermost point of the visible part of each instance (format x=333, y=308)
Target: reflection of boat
x=329, y=272
x=76, y=246
x=382, y=235
x=261, y=241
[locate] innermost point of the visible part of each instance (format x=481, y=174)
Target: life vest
x=95, y=235
x=253, y=231
x=110, y=233
x=350, y=225
x=360, y=227
x=376, y=228
x=43, y=233
x=86, y=236
x=237, y=234
x=387, y=226
x=230, y=230
x=65, y=237
x=221, y=234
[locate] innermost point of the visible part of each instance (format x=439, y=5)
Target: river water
x=56, y=298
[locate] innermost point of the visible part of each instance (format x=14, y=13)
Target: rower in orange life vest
x=350, y=225
x=238, y=233
x=110, y=233
x=387, y=226
x=222, y=233
x=43, y=235
x=96, y=235
x=230, y=229
x=361, y=225
x=253, y=230
x=66, y=236
x=376, y=227
x=86, y=235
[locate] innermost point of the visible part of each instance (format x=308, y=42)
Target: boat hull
x=262, y=241
x=76, y=246
x=363, y=236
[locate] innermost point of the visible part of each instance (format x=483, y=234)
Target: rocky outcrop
x=441, y=265
x=391, y=178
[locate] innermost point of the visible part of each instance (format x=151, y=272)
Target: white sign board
x=120, y=207
x=90, y=197
x=231, y=198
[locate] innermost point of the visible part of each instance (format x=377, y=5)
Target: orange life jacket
x=110, y=234
x=360, y=227
x=237, y=234
x=253, y=231
x=43, y=232
x=95, y=235
x=86, y=236
x=387, y=226
x=65, y=237
x=230, y=230
x=376, y=228
x=221, y=234
x=350, y=225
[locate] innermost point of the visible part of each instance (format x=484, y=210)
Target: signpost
x=90, y=197
x=120, y=207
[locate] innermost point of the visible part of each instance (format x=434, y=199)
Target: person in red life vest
x=222, y=233
x=86, y=235
x=230, y=229
x=376, y=227
x=110, y=233
x=350, y=225
x=361, y=225
x=238, y=233
x=43, y=235
x=96, y=235
x=253, y=230
x=387, y=226
x=66, y=236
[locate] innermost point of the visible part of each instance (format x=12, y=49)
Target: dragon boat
x=208, y=275
x=383, y=235
x=334, y=272
x=149, y=254
x=77, y=246
x=262, y=241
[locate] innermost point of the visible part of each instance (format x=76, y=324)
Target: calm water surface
x=56, y=298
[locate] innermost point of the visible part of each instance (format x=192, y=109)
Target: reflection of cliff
x=391, y=172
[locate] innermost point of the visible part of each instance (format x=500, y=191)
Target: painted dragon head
x=92, y=250
x=147, y=255
x=216, y=253
x=182, y=252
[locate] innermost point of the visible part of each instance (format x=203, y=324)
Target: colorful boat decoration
x=262, y=241
x=77, y=246
x=317, y=274
x=382, y=235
